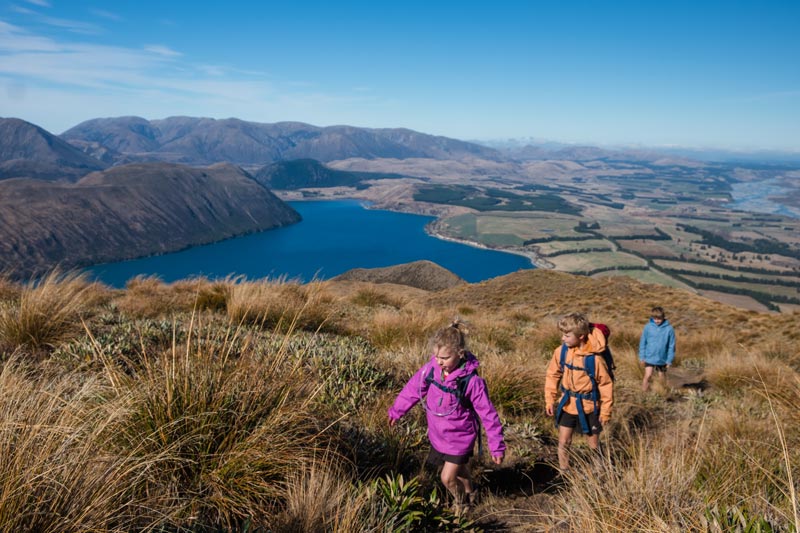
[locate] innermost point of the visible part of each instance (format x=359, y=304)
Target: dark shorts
x=573, y=421
x=437, y=458
x=657, y=368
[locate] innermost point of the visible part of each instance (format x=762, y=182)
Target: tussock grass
x=390, y=329
x=654, y=491
x=515, y=387
x=705, y=345
x=220, y=434
x=150, y=297
x=372, y=297
x=321, y=497
x=48, y=312
x=9, y=290
x=740, y=371
x=58, y=474
x=283, y=306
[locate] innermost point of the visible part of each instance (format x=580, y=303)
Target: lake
x=333, y=237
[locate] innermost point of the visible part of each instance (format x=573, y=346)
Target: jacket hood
x=471, y=364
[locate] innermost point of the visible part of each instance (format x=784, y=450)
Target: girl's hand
x=497, y=459
x=392, y=422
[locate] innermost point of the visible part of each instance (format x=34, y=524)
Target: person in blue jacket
x=656, y=347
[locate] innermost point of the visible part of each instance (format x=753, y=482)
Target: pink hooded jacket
x=456, y=432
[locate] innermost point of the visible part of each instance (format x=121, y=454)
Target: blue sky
x=697, y=73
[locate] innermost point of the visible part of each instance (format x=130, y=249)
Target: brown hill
x=420, y=274
x=129, y=211
x=623, y=303
x=28, y=151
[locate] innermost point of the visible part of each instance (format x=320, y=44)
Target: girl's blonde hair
x=574, y=323
x=452, y=337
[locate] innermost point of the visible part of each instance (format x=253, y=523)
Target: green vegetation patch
x=493, y=199
x=462, y=226
x=572, y=246
x=758, y=246
x=645, y=276
x=597, y=260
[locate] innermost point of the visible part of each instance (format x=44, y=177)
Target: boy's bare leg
x=648, y=372
x=564, y=442
x=662, y=377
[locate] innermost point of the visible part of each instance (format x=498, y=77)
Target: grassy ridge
x=255, y=406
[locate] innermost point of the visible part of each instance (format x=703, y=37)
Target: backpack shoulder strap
x=589, y=366
x=429, y=378
x=563, y=357
x=461, y=388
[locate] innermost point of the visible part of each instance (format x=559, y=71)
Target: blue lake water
x=333, y=237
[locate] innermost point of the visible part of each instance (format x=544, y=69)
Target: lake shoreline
x=332, y=238
x=536, y=260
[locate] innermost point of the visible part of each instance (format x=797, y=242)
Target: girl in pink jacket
x=456, y=402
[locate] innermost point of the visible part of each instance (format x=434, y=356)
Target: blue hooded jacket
x=657, y=345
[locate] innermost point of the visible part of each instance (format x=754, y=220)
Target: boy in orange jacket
x=587, y=391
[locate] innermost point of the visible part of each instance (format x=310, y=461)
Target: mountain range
x=28, y=151
x=203, y=141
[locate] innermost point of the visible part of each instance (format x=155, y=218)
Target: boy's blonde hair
x=452, y=337
x=574, y=323
x=657, y=312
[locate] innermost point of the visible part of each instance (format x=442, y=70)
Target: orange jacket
x=579, y=381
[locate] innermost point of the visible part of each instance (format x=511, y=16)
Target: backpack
x=590, y=369
x=606, y=331
x=461, y=393
x=460, y=390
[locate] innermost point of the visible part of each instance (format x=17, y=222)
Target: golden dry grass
x=48, y=312
x=268, y=409
x=283, y=305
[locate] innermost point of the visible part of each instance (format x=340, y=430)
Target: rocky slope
x=129, y=211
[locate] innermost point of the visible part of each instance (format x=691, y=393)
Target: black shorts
x=573, y=421
x=657, y=368
x=437, y=458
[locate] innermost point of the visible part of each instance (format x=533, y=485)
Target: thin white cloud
x=23, y=10
x=58, y=83
x=40, y=3
x=97, y=67
x=102, y=13
x=213, y=70
x=14, y=39
x=162, y=50
x=74, y=26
